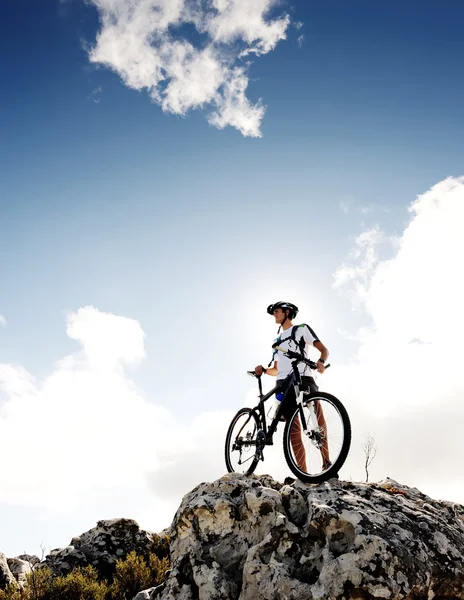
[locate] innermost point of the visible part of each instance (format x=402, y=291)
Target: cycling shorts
x=308, y=385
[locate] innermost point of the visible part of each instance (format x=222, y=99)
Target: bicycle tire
x=341, y=436
x=253, y=459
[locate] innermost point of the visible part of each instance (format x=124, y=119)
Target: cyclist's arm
x=259, y=370
x=322, y=349
x=312, y=338
x=272, y=370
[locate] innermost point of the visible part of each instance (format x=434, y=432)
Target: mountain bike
x=319, y=417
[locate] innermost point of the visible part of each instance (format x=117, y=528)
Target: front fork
x=299, y=397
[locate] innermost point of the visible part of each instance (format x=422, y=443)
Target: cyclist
x=284, y=313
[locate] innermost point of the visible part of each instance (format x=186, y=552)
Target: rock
x=252, y=538
x=103, y=545
x=32, y=559
x=145, y=594
x=6, y=576
x=19, y=569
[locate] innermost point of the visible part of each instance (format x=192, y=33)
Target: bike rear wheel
x=317, y=438
x=241, y=451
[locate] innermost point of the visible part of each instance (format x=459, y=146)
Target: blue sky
x=189, y=230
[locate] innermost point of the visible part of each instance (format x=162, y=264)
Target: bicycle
x=322, y=418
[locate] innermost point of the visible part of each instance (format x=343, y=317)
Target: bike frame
x=292, y=380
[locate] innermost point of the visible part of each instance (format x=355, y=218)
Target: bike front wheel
x=317, y=438
x=241, y=451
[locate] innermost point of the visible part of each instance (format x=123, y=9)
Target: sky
x=168, y=169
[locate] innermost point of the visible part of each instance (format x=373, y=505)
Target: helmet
x=283, y=305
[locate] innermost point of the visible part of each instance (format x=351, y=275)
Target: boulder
x=6, y=576
x=19, y=568
x=103, y=545
x=253, y=538
x=32, y=559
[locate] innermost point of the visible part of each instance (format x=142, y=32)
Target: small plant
x=161, y=546
x=158, y=568
x=11, y=592
x=36, y=587
x=133, y=574
x=81, y=584
x=370, y=450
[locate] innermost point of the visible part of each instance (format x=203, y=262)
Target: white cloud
x=94, y=96
x=348, y=205
x=86, y=430
x=344, y=206
x=2, y=321
x=356, y=275
x=144, y=43
x=407, y=378
x=234, y=109
x=245, y=21
x=107, y=340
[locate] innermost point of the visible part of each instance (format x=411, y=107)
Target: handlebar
x=299, y=358
x=296, y=357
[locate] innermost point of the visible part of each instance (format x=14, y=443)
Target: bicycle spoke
x=240, y=448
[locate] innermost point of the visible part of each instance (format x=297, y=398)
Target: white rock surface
x=252, y=538
x=6, y=576
x=20, y=569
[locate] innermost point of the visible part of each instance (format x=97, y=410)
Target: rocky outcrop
x=6, y=576
x=32, y=559
x=256, y=539
x=253, y=538
x=103, y=545
x=20, y=568
x=100, y=547
x=15, y=570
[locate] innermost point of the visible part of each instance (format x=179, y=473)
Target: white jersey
x=284, y=364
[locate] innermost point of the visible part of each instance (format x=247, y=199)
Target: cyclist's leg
x=313, y=387
x=297, y=444
x=322, y=425
x=295, y=433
